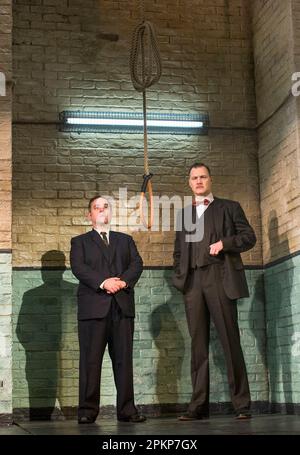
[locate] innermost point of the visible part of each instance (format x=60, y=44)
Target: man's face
x=100, y=213
x=200, y=181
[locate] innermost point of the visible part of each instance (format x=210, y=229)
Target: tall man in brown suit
x=209, y=271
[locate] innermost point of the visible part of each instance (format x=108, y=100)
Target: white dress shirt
x=200, y=203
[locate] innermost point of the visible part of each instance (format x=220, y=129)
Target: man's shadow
x=39, y=330
x=164, y=324
x=278, y=286
x=256, y=325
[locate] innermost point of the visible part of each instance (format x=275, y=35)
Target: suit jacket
x=233, y=228
x=92, y=263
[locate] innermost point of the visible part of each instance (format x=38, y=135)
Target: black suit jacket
x=233, y=228
x=92, y=263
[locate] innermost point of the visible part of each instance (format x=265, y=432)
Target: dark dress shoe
x=135, y=418
x=190, y=416
x=243, y=415
x=86, y=419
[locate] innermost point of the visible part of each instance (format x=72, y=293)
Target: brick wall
x=274, y=45
x=63, y=60
x=282, y=286
x=45, y=367
x=276, y=38
x=296, y=162
x=5, y=125
x=273, y=56
x=54, y=176
x=5, y=211
x=5, y=338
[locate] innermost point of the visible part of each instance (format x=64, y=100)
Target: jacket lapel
x=113, y=240
x=218, y=215
x=99, y=242
x=217, y=208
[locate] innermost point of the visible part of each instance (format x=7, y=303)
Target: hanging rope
x=145, y=70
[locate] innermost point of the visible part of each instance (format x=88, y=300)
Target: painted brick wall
x=280, y=184
x=5, y=337
x=63, y=57
x=5, y=123
x=46, y=351
x=276, y=38
x=283, y=330
x=54, y=176
x=274, y=47
x=61, y=61
x=273, y=55
x=296, y=163
x=5, y=211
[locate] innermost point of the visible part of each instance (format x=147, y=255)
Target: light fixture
x=132, y=122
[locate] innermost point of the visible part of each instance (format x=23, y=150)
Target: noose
x=145, y=70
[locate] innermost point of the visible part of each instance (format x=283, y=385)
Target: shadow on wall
x=169, y=341
x=258, y=317
x=39, y=330
x=258, y=375
x=278, y=287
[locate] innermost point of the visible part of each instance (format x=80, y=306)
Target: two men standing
x=208, y=270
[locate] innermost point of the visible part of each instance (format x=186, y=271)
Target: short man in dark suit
x=208, y=270
x=107, y=265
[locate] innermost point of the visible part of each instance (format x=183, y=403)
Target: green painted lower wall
x=45, y=349
x=282, y=285
x=5, y=336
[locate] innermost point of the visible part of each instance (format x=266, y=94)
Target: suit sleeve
x=244, y=238
x=82, y=271
x=135, y=267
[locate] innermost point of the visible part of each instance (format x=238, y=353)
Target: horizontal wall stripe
x=167, y=267
x=39, y=268
x=150, y=267
x=281, y=260
x=5, y=251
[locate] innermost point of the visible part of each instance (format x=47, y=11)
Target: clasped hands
x=215, y=248
x=113, y=285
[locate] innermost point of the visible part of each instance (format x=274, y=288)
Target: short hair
x=92, y=200
x=196, y=165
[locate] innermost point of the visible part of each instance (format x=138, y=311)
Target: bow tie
x=205, y=202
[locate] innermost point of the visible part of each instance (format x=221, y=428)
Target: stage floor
x=264, y=424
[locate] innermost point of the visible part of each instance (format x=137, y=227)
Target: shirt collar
x=201, y=198
x=102, y=229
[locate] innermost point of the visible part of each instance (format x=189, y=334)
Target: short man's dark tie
x=206, y=201
x=104, y=238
